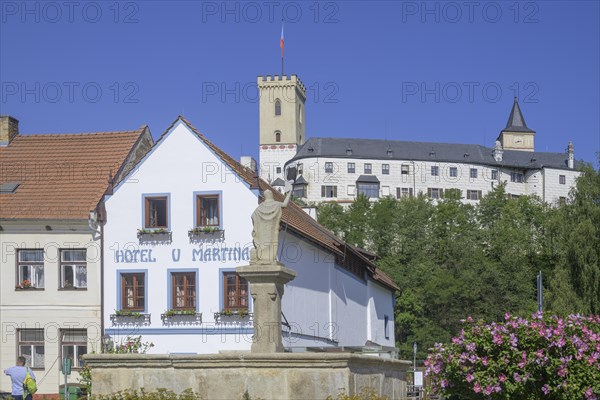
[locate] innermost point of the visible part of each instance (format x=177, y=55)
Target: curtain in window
x=81, y=276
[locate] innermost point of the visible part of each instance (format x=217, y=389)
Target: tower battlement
x=270, y=80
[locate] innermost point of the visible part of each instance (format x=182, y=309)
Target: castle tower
x=282, y=124
x=516, y=135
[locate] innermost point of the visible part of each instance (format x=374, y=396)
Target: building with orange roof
x=51, y=217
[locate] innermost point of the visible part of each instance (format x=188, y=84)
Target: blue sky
x=404, y=70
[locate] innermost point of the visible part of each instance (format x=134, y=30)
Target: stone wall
x=266, y=376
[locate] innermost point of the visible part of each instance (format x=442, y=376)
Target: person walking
x=17, y=375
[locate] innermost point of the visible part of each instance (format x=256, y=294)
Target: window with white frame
x=453, y=172
x=300, y=168
x=435, y=170
x=495, y=174
x=208, y=210
x=156, y=210
x=404, y=169
x=31, y=346
x=351, y=168
x=368, y=168
x=30, y=269
x=386, y=326
x=385, y=169
x=473, y=194
x=562, y=179
x=473, y=173
x=73, y=269
x=328, y=191
x=516, y=177
x=74, y=346
x=328, y=167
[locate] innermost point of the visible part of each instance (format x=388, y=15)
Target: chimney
x=248, y=162
x=9, y=129
x=571, y=155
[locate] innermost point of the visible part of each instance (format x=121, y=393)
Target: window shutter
x=429, y=192
x=410, y=192
x=335, y=191
x=479, y=195
x=441, y=193
x=322, y=191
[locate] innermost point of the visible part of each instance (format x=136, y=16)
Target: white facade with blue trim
x=176, y=229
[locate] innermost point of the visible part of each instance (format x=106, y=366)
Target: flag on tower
x=281, y=43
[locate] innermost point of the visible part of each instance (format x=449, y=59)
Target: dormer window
x=277, y=136
x=277, y=107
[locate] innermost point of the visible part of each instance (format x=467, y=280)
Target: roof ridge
x=70, y=135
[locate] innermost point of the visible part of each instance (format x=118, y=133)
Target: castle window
x=473, y=173
x=435, y=170
x=495, y=174
x=300, y=113
x=351, y=168
x=435, y=193
x=405, y=169
x=277, y=107
x=385, y=169
x=562, y=179
x=453, y=172
x=328, y=191
x=516, y=177
x=328, y=167
x=277, y=136
x=368, y=168
x=473, y=194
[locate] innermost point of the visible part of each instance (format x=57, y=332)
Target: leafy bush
x=545, y=357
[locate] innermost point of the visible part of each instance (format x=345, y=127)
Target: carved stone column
x=266, y=288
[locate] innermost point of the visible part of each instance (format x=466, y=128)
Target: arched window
x=300, y=113
x=277, y=136
x=277, y=107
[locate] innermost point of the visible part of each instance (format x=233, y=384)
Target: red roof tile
x=61, y=176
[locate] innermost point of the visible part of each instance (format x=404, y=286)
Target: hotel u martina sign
x=202, y=254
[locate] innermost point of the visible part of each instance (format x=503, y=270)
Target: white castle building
x=338, y=169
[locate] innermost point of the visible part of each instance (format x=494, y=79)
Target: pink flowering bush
x=541, y=358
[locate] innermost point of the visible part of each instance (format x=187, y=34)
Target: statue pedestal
x=266, y=288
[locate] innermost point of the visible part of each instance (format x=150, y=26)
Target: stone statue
x=265, y=233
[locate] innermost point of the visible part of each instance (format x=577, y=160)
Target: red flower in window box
x=25, y=284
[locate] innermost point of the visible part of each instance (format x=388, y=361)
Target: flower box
x=239, y=317
x=154, y=235
x=206, y=233
x=181, y=317
x=130, y=318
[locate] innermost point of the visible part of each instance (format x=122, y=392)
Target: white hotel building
x=338, y=169
x=179, y=225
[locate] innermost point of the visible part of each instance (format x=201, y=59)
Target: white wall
x=180, y=165
x=51, y=309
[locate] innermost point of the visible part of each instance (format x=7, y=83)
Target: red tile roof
x=293, y=216
x=61, y=176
